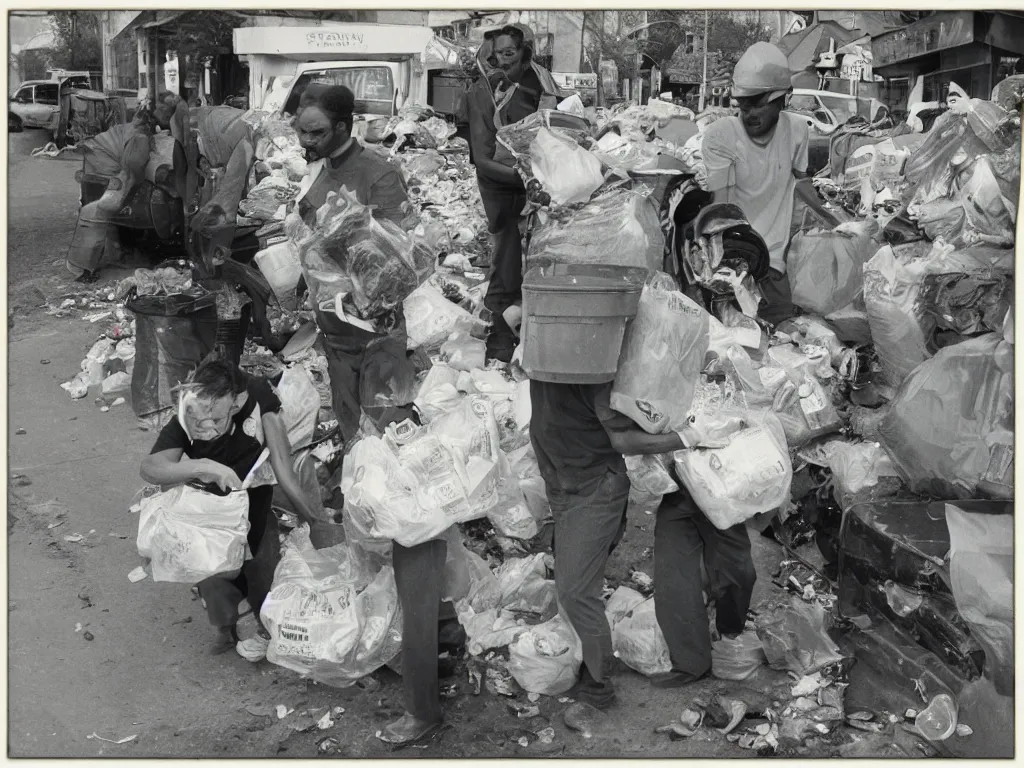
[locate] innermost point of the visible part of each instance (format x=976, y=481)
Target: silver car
x=37, y=103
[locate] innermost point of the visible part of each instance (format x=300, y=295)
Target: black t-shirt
x=569, y=429
x=241, y=445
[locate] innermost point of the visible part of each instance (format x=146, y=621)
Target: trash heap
x=888, y=404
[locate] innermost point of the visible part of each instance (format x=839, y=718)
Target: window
x=843, y=109
x=23, y=96
x=46, y=94
x=803, y=103
x=373, y=88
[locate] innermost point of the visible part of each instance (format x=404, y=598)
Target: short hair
x=215, y=377
x=335, y=101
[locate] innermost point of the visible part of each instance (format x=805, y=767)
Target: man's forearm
x=640, y=443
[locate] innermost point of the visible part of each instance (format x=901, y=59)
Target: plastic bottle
x=937, y=721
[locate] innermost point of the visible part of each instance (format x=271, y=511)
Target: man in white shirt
x=755, y=159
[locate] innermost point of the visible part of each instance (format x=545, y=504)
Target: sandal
x=406, y=730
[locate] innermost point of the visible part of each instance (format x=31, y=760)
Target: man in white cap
x=755, y=159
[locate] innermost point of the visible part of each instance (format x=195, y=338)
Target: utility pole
x=583, y=41
x=704, y=79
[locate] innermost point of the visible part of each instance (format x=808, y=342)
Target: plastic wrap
x=932, y=169
x=546, y=658
x=661, y=358
x=639, y=642
x=651, y=475
x=437, y=393
x=949, y=429
x=751, y=475
x=619, y=227
x=190, y=535
x=526, y=588
x=856, y=467
x=737, y=658
x=264, y=201
x=569, y=173
x=513, y=141
x=300, y=406
x=981, y=575
x=794, y=637
x=825, y=269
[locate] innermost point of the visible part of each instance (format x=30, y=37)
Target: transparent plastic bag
x=661, y=359
x=468, y=581
x=190, y=535
x=650, y=474
x=620, y=603
x=569, y=173
x=737, y=658
x=856, y=467
x=639, y=642
x=546, y=658
x=989, y=217
x=931, y=170
x=805, y=410
x=511, y=517
x=981, y=572
x=464, y=352
x=749, y=476
x=334, y=627
x=825, y=269
x=430, y=318
x=794, y=637
x=618, y=227
x=437, y=393
x=949, y=429
x=526, y=587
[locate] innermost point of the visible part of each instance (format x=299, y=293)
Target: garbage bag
x=437, y=393
x=661, y=358
x=279, y=264
x=794, y=637
x=524, y=466
x=639, y=642
x=526, y=588
x=464, y=352
x=931, y=170
x=328, y=629
x=619, y=227
x=172, y=336
x=749, y=476
x=300, y=405
x=430, y=318
x=468, y=581
x=856, y=467
x=546, y=658
x=988, y=216
x=804, y=408
x=190, y=535
x=511, y=516
x=650, y=474
x=568, y=172
x=825, y=269
x=949, y=429
x=737, y=658
x=981, y=575
x=623, y=600
x=514, y=141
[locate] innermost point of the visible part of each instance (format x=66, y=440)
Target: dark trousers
x=419, y=572
x=589, y=522
x=222, y=595
x=503, y=208
x=778, y=298
x=360, y=364
x=682, y=536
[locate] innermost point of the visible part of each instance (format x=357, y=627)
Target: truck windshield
x=373, y=87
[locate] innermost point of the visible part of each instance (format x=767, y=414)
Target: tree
x=76, y=40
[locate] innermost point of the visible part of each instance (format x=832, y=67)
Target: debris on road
x=125, y=740
x=138, y=574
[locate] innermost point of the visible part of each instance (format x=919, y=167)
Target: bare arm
x=635, y=442
x=281, y=461
x=171, y=467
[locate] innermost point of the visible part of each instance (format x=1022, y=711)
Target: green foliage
x=77, y=40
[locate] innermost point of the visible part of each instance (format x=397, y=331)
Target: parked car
x=37, y=103
x=14, y=124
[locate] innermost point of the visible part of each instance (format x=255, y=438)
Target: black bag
x=172, y=335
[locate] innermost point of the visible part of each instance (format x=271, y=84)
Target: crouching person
x=227, y=419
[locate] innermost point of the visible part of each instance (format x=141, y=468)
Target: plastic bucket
x=574, y=320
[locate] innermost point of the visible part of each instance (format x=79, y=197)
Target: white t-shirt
x=758, y=178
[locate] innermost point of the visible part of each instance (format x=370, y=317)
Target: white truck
x=385, y=65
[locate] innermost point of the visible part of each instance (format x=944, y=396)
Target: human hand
x=214, y=473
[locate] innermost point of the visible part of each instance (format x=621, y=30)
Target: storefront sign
x=576, y=81
x=935, y=33
x=336, y=41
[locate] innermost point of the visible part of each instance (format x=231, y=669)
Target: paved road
x=91, y=654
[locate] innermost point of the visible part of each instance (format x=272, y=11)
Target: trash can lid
x=589, y=278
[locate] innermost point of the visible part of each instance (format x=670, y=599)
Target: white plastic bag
x=190, y=535
x=329, y=626
x=639, y=642
x=300, y=405
x=546, y=658
x=569, y=173
x=430, y=318
x=280, y=265
x=512, y=517
x=856, y=467
x=662, y=357
x=464, y=352
x=437, y=393
x=751, y=475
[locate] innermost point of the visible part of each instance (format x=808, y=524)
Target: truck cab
x=386, y=66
